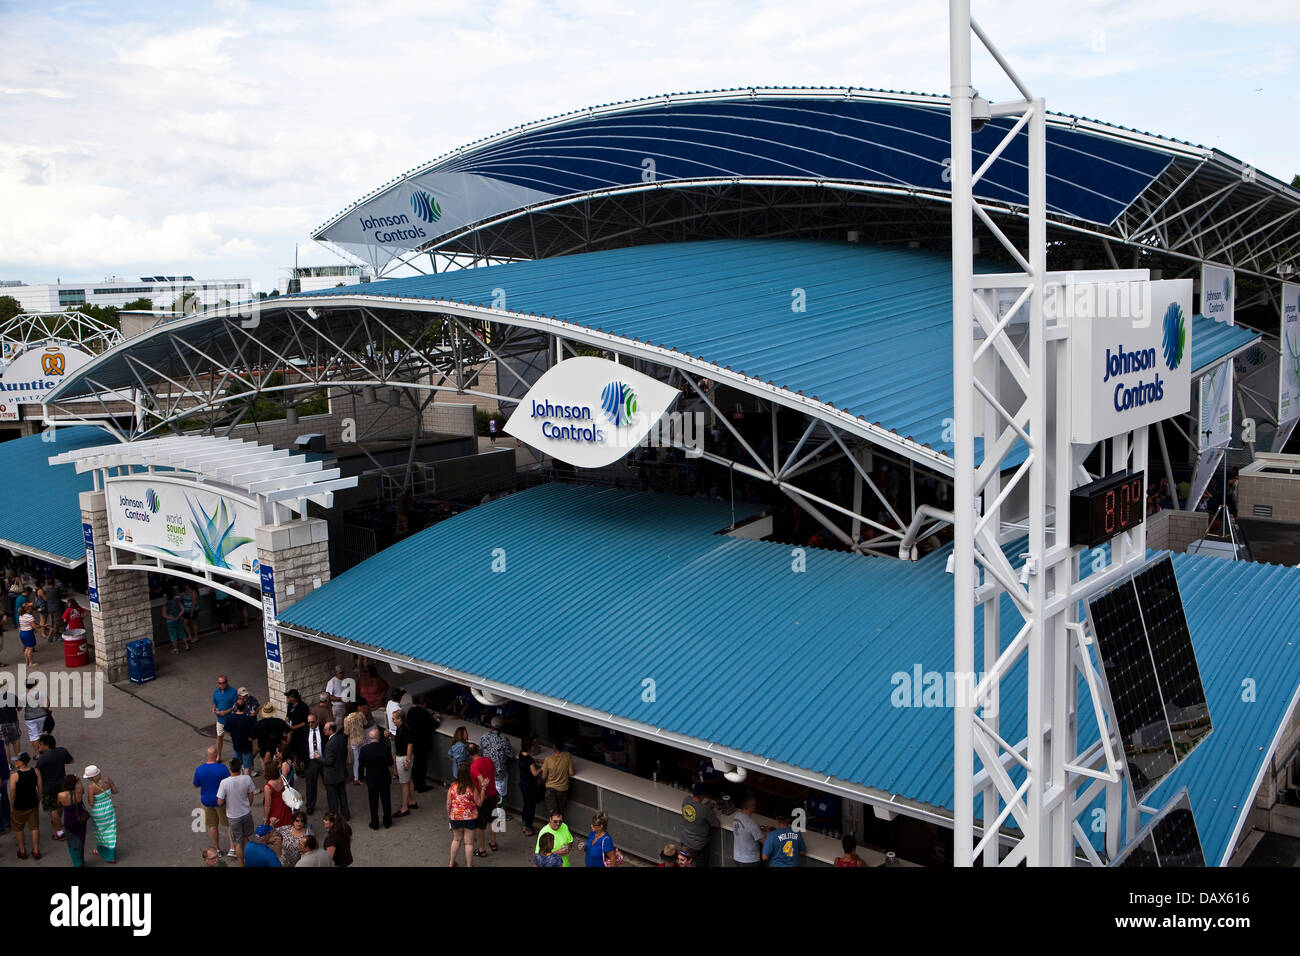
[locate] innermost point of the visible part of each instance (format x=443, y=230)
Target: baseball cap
x=669, y=853
x=242, y=692
x=263, y=830
x=324, y=698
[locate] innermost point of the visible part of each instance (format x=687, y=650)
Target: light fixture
x=952, y=559
x=312, y=314
x=979, y=113
x=291, y=415
x=368, y=394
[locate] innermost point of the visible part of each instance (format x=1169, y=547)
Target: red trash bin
x=75, y=653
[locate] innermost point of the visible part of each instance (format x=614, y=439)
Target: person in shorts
x=173, y=616
x=9, y=723
x=224, y=699
x=27, y=633
x=235, y=796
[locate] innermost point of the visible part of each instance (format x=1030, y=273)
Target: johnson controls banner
x=34, y=374
x=1132, y=367
x=589, y=412
x=1216, y=388
x=1288, y=390
x=184, y=523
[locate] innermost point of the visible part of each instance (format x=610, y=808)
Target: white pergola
x=282, y=481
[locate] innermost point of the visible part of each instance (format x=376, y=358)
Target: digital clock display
x=1107, y=507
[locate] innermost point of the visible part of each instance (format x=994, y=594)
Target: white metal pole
x=963, y=351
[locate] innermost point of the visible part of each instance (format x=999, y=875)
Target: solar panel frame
x=1148, y=665
x=1169, y=839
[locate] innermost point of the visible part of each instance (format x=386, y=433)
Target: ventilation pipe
x=907, y=547
x=487, y=699
x=731, y=772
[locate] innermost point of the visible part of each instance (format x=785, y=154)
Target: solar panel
x=1149, y=666
x=1169, y=839
x=1175, y=660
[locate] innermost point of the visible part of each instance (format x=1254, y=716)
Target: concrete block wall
x=449, y=418
x=1282, y=493
x=298, y=554
x=124, y=614
x=1175, y=530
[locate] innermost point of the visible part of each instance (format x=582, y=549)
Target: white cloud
x=221, y=135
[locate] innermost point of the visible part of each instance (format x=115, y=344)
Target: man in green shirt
x=560, y=832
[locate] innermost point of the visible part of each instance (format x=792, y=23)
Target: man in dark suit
x=314, y=742
x=334, y=767
x=376, y=762
x=421, y=723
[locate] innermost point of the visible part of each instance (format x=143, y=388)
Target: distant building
x=311, y=278
x=117, y=292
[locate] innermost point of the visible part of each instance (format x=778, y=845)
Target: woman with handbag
x=599, y=847
x=275, y=809
x=75, y=817
x=463, y=799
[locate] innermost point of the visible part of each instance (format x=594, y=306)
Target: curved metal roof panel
x=845, y=136
x=43, y=518
x=802, y=669
x=1214, y=342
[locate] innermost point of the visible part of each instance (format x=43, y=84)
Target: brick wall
x=124, y=614
x=298, y=554
x=1175, y=530
x=1280, y=492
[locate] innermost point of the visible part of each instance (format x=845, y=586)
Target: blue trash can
x=139, y=661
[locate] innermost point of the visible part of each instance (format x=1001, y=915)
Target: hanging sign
x=589, y=412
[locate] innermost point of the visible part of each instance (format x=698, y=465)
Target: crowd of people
x=74, y=804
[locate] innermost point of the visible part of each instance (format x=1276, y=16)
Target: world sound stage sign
x=589, y=412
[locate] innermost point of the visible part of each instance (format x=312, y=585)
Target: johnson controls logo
x=1227, y=288
x=425, y=206
x=151, y=500
x=1174, y=341
x=618, y=401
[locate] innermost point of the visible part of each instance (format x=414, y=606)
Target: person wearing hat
x=269, y=731
x=261, y=850
x=239, y=727
x=686, y=856
x=668, y=855
x=24, y=796
x=698, y=822
x=247, y=702
x=99, y=797
x=297, y=718
x=338, y=692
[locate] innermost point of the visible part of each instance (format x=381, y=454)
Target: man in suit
x=421, y=723
x=314, y=746
x=376, y=760
x=334, y=764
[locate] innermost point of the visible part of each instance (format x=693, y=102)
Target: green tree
x=9, y=307
x=139, y=305
x=104, y=313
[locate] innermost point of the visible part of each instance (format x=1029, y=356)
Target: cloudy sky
x=209, y=138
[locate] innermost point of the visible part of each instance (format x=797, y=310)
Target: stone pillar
x=298, y=555
x=124, y=614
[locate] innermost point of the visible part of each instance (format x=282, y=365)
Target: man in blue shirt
x=208, y=777
x=784, y=845
x=258, y=853
x=223, y=705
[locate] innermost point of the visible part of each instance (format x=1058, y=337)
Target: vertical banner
x=1216, y=387
x=269, y=631
x=1288, y=390
x=92, y=579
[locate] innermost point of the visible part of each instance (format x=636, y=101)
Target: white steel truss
x=1011, y=389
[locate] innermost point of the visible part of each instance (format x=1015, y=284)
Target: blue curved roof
x=852, y=137
x=871, y=335
x=800, y=668
x=41, y=516
x=1214, y=342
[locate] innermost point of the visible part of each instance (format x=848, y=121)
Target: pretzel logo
x=52, y=362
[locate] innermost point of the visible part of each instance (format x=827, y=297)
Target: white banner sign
x=1217, y=296
x=1132, y=370
x=589, y=412
x=1288, y=391
x=34, y=373
x=184, y=523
